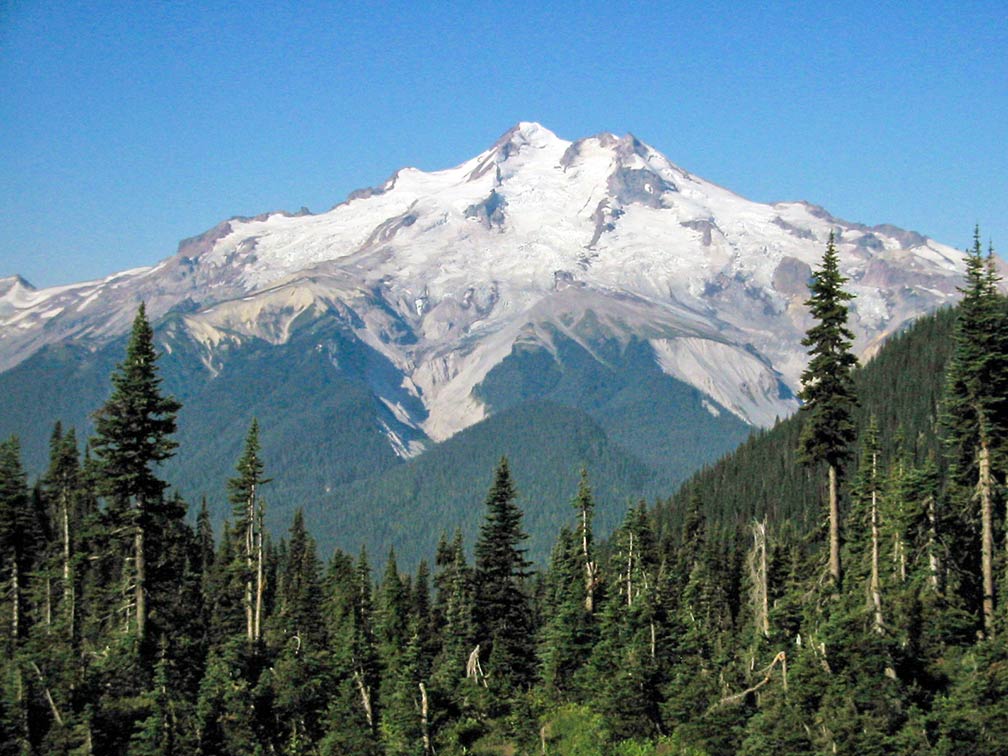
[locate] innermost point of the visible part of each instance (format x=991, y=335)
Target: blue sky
x=127, y=127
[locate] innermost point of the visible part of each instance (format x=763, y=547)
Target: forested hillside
x=744, y=615
x=901, y=387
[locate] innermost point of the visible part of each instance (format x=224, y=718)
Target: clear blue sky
x=125, y=127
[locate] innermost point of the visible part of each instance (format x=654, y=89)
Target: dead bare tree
x=758, y=576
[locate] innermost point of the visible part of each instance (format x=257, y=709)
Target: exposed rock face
x=791, y=277
x=442, y=273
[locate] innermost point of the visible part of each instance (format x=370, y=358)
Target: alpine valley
x=546, y=299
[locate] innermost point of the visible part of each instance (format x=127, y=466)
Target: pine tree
x=568, y=629
x=132, y=433
x=350, y=726
x=61, y=486
x=156, y=734
x=975, y=409
x=249, y=511
x=452, y=615
x=503, y=622
x=827, y=387
x=18, y=547
x=867, y=518
x=300, y=590
x=391, y=613
x=19, y=542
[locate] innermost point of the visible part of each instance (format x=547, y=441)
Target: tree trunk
x=629, y=573
x=986, y=538
x=47, y=619
x=249, y=550
x=259, y=575
x=899, y=558
x=934, y=563
x=874, y=587
x=365, y=694
x=758, y=575
x=68, y=583
x=834, y=528
x=141, y=582
x=591, y=569
x=48, y=695
x=15, y=603
x=425, y=721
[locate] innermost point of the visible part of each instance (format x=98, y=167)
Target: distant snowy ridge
x=443, y=272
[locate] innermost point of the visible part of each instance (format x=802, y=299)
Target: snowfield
x=442, y=272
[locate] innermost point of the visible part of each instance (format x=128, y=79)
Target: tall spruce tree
x=61, y=486
x=503, y=621
x=975, y=409
x=249, y=511
x=132, y=434
x=827, y=387
x=18, y=546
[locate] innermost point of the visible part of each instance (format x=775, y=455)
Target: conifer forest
x=836, y=585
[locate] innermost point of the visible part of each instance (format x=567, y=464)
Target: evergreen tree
x=132, y=433
x=391, y=613
x=19, y=544
x=402, y=719
x=156, y=735
x=975, y=415
x=568, y=628
x=61, y=486
x=866, y=548
x=349, y=720
x=225, y=710
x=249, y=511
x=503, y=622
x=827, y=387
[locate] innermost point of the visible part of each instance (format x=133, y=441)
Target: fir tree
x=503, y=623
x=827, y=387
x=249, y=512
x=349, y=719
x=568, y=628
x=867, y=547
x=975, y=412
x=19, y=542
x=132, y=433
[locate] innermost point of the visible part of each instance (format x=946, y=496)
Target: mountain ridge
x=410, y=295
x=585, y=241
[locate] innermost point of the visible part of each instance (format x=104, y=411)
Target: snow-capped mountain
x=444, y=272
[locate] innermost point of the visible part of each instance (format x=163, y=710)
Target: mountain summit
x=444, y=272
x=594, y=275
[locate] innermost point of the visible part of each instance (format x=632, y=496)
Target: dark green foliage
x=657, y=419
x=827, y=393
x=975, y=427
x=244, y=488
x=568, y=630
x=438, y=487
x=500, y=612
x=133, y=427
x=20, y=540
x=975, y=405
